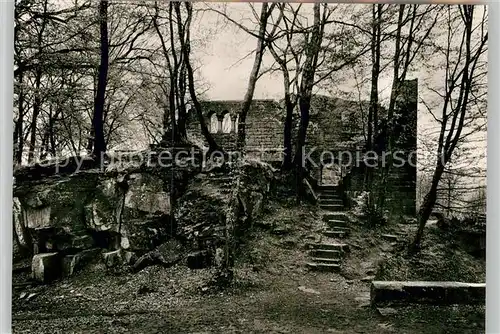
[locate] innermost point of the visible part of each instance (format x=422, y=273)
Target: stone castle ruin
x=135, y=215
x=336, y=126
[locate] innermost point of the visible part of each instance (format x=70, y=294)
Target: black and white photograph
x=249, y=167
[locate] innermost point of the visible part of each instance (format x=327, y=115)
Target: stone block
x=421, y=292
x=46, y=267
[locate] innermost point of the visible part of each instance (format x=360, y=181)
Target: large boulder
x=52, y=211
x=104, y=210
x=22, y=235
x=124, y=208
x=145, y=197
x=255, y=181
x=201, y=213
x=209, y=216
x=145, y=218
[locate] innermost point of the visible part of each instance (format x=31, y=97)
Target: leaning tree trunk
x=427, y=206
x=254, y=76
x=186, y=50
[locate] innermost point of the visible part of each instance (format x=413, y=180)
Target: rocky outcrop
x=123, y=207
x=122, y=215
x=218, y=207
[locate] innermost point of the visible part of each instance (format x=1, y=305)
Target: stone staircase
x=224, y=178
x=327, y=254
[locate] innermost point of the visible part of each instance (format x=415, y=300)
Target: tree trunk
x=18, y=129
x=186, y=49
x=373, y=110
x=97, y=121
x=287, y=133
x=428, y=204
x=396, y=80
x=305, y=95
x=254, y=75
x=304, y=106
x=181, y=79
x=38, y=78
x=36, y=112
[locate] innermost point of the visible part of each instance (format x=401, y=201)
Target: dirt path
x=298, y=302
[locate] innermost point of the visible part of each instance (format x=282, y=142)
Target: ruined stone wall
x=264, y=137
x=401, y=180
x=264, y=127
x=335, y=123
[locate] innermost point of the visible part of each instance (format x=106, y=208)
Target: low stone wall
x=438, y=293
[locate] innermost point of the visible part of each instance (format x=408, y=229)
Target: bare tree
x=186, y=50
x=288, y=58
x=265, y=13
x=418, y=26
x=463, y=87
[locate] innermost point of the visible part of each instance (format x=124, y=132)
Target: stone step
x=325, y=260
x=338, y=216
x=341, y=228
x=337, y=201
x=335, y=234
x=390, y=237
x=332, y=207
x=324, y=267
x=329, y=196
x=326, y=254
x=329, y=246
x=333, y=223
x=328, y=188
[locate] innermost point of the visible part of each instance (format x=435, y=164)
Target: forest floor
x=273, y=292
